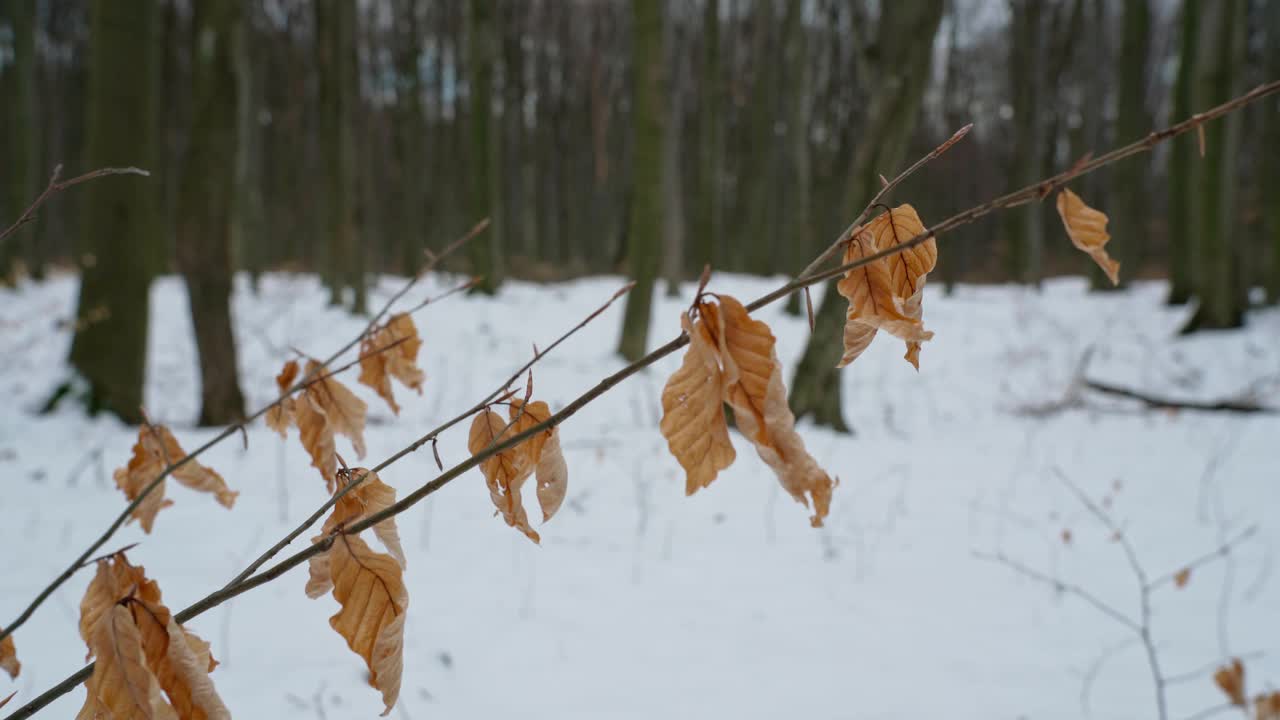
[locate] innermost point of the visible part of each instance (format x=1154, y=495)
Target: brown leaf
x=1230, y=680
x=370, y=588
x=122, y=686
x=1066, y=536
x=753, y=387
x=328, y=408
x=914, y=309
x=1265, y=706
x=907, y=268
x=550, y=470
x=370, y=496
x=875, y=301
x=693, y=411
x=1181, y=578
x=155, y=450
x=504, y=472
x=178, y=659
x=1087, y=229
x=400, y=361
x=9, y=657
x=6, y=700
x=281, y=416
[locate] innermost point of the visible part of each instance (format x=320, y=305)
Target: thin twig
x=56, y=186
x=318, y=375
x=1033, y=192
x=1061, y=586
x=1165, y=403
x=1221, y=551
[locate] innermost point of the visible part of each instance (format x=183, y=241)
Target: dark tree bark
x=644, y=227
x=483, y=166
x=712, y=98
x=1022, y=225
x=1271, y=160
x=120, y=218
x=22, y=137
x=205, y=201
x=1183, y=164
x=891, y=116
x=1130, y=215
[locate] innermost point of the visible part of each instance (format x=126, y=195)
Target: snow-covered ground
x=642, y=603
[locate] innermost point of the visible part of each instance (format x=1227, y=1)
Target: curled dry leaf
x=392, y=352
x=6, y=700
x=9, y=657
x=1265, y=706
x=1087, y=229
x=155, y=450
x=887, y=294
x=504, y=472
x=281, y=415
x=692, y=411
x=731, y=359
x=328, y=408
x=369, y=586
x=176, y=659
x=549, y=468
x=370, y=496
x=1230, y=680
x=758, y=396
x=122, y=686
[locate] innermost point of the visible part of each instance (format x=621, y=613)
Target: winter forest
x=640, y=358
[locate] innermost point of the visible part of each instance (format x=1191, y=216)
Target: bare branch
x=56, y=186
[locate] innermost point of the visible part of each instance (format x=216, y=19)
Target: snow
x=643, y=603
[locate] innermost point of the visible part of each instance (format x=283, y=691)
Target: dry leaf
x=155, y=450
x=1230, y=679
x=7, y=699
x=914, y=309
x=9, y=657
x=1265, y=707
x=281, y=416
x=177, y=658
x=549, y=468
x=504, y=472
x=1087, y=229
x=370, y=496
x=1181, y=577
x=370, y=587
x=693, y=411
x=328, y=408
x=1066, y=536
x=753, y=387
x=878, y=292
x=122, y=686
x=400, y=361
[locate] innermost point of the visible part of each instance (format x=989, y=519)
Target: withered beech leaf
x=874, y=291
x=122, y=686
x=5, y=701
x=325, y=409
x=9, y=657
x=1087, y=229
x=1265, y=707
x=177, y=658
x=370, y=496
x=906, y=268
x=1182, y=577
x=693, y=419
x=1230, y=680
x=549, y=468
x=504, y=472
x=914, y=308
x=281, y=416
x=392, y=352
x=369, y=586
x=155, y=449
x=755, y=390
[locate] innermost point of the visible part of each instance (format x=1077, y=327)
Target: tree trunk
x=644, y=227
x=672, y=180
x=1022, y=225
x=336, y=58
x=1183, y=165
x=121, y=215
x=483, y=161
x=205, y=201
x=1270, y=113
x=890, y=118
x=710, y=131
x=1130, y=215
x=1219, y=62
x=21, y=171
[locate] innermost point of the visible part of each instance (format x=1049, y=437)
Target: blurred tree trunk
x=673, y=238
x=756, y=182
x=644, y=227
x=483, y=161
x=1022, y=225
x=205, y=199
x=1130, y=214
x=121, y=215
x=511, y=172
x=1271, y=159
x=248, y=237
x=337, y=68
x=900, y=76
x=408, y=137
x=22, y=134
x=710, y=143
x=1219, y=62
x=1184, y=164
